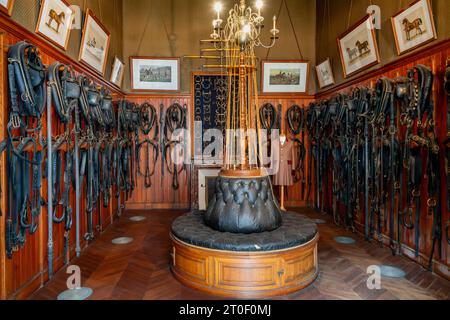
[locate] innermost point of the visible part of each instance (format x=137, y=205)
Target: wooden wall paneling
x=3, y=181
x=161, y=195
x=27, y=270
x=296, y=194
x=434, y=57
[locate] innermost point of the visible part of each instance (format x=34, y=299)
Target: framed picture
x=117, y=72
x=6, y=6
x=358, y=47
x=285, y=77
x=95, y=43
x=325, y=74
x=55, y=22
x=155, y=74
x=414, y=26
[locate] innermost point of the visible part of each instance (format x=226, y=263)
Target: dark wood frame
x=284, y=94
x=332, y=75
x=90, y=13
x=377, y=52
x=47, y=37
x=395, y=31
x=8, y=10
x=120, y=82
x=133, y=89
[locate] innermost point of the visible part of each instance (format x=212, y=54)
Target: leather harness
x=382, y=143
x=24, y=143
x=175, y=120
x=150, y=145
x=447, y=145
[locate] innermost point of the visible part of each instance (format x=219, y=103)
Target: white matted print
x=55, y=22
x=6, y=6
x=117, y=72
x=285, y=76
x=325, y=74
x=414, y=26
x=95, y=43
x=155, y=74
x=358, y=47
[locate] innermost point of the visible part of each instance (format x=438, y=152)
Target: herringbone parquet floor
x=141, y=270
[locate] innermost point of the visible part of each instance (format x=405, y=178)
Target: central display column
x=243, y=201
x=243, y=246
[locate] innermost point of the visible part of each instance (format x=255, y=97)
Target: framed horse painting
x=6, y=6
x=325, y=74
x=358, y=47
x=95, y=43
x=414, y=26
x=55, y=22
x=285, y=76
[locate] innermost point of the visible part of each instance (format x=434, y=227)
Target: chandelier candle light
x=238, y=39
x=243, y=245
x=252, y=207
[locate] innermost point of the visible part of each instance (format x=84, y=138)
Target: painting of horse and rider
x=414, y=26
x=55, y=22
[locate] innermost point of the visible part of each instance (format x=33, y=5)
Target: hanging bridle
x=148, y=122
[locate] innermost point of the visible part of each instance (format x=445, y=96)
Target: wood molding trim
x=245, y=274
x=406, y=59
x=15, y=29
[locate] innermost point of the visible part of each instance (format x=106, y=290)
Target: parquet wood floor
x=141, y=270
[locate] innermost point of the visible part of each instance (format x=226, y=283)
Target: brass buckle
x=432, y=202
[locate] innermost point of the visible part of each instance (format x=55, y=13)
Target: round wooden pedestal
x=245, y=274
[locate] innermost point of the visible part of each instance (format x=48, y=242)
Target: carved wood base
x=245, y=274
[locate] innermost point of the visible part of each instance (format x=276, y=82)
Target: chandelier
x=244, y=26
x=237, y=40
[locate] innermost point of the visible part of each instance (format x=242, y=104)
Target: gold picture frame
x=275, y=84
x=53, y=15
x=94, y=43
x=358, y=47
x=7, y=8
x=117, y=72
x=324, y=72
x=137, y=66
x=414, y=26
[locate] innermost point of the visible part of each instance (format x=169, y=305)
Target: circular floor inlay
x=123, y=240
x=319, y=221
x=137, y=218
x=392, y=272
x=345, y=240
x=75, y=294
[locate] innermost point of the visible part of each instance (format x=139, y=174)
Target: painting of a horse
x=409, y=27
x=59, y=19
